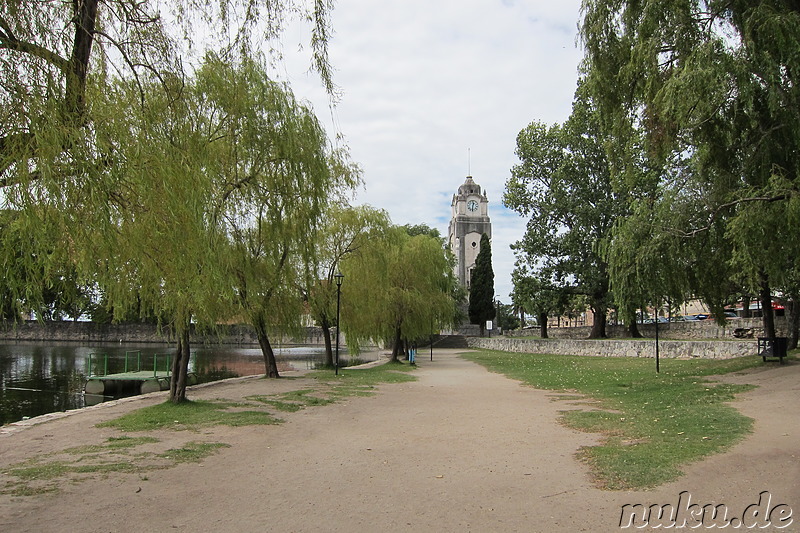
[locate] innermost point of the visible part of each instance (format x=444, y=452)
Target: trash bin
x=772, y=347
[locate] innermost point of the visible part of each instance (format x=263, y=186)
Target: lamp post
x=339, y=276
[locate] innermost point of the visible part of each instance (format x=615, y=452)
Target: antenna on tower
x=469, y=161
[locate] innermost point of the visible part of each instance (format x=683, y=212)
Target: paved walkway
x=461, y=449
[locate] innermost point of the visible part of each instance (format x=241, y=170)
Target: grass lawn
x=653, y=424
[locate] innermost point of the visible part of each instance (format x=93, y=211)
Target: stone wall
x=136, y=333
x=620, y=348
x=692, y=330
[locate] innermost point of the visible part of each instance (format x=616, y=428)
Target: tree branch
x=9, y=41
x=712, y=218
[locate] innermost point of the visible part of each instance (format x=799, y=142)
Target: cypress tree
x=481, y=290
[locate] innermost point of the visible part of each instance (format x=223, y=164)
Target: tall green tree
x=159, y=244
x=398, y=290
x=481, y=288
x=98, y=135
x=276, y=176
x=651, y=263
x=563, y=183
x=538, y=295
x=345, y=230
x=51, y=52
x=713, y=85
x=506, y=318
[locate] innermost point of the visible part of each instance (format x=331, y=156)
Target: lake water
x=39, y=378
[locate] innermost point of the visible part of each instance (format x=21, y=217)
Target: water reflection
x=39, y=378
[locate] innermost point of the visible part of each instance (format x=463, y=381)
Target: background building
x=469, y=220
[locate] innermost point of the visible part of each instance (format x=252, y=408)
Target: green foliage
x=423, y=229
x=400, y=287
x=539, y=296
x=563, y=183
x=653, y=424
x=344, y=230
x=703, y=137
x=116, y=159
x=506, y=317
x=481, y=289
x=37, y=277
x=276, y=176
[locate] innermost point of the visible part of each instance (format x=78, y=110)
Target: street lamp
x=339, y=277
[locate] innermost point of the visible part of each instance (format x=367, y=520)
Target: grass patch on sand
x=363, y=381
x=193, y=452
x=653, y=424
x=397, y=372
x=294, y=400
x=45, y=473
x=189, y=415
x=331, y=388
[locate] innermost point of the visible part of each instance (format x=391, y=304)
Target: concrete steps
x=450, y=341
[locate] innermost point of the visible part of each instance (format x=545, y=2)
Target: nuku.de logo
x=691, y=515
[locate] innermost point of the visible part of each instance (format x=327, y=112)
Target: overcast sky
x=426, y=82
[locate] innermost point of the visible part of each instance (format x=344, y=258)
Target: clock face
x=472, y=205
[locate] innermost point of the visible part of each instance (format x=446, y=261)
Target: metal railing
x=95, y=360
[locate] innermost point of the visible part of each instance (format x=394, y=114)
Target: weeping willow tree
x=158, y=243
x=708, y=91
x=104, y=144
x=345, y=230
x=399, y=289
x=226, y=180
x=277, y=177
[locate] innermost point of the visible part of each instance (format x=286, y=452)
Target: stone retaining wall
x=701, y=329
x=136, y=333
x=620, y=348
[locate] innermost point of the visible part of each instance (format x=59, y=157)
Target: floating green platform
x=133, y=380
x=127, y=382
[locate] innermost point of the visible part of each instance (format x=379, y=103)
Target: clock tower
x=469, y=221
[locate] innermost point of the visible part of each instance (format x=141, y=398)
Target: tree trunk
x=746, y=313
x=326, y=335
x=543, y=325
x=175, y=370
x=765, y=296
x=85, y=17
x=270, y=365
x=396, y=347
x=598, y=322
x=180, y=368
x=633, y=330
x=793, y=322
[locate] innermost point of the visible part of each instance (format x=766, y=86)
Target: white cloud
x=425, y=81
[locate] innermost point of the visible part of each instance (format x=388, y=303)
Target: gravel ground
x=461, y=449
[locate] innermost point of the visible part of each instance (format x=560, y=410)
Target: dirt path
x=459, y=450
